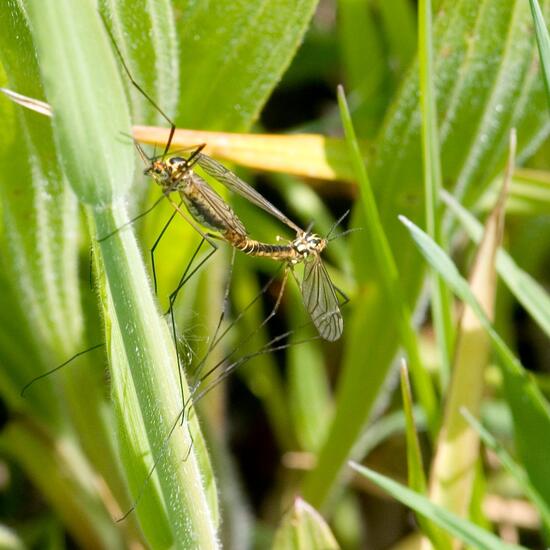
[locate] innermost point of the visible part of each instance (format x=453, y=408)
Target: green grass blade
x=333, y=455
x=440, y=301
x=530, y=410
x=543, y=42
x=99, y=162
x=415, y=468
x=512, y=467
x=529, y=293
x=463, y=530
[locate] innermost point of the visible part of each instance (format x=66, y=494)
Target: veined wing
x=209, y=208
x=321, y=301
x=237, y=185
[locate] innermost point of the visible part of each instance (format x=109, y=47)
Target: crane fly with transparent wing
x=318, y=292
x=209, y=209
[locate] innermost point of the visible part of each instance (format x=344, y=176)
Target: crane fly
x=175, y=173
x=209, y=209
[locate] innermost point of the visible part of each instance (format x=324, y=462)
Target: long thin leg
x=244, y=311
x=55, y=369
x=247, y=338
x=197, y=393
x=133, y=220
x=172, y=299
x=270, y=347
x=214, y=340
x=154, y=247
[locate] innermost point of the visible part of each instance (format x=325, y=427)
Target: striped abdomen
x=279, y=252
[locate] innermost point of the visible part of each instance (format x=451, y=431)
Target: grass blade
x=511, y=466
x=88, y=123
x=463, y=530
x=530, y=410
x=440, y=302
x=530, y=294
x=543, y=42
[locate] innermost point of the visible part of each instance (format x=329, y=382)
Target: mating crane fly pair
x=176, y=174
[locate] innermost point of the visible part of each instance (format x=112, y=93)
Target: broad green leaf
x=399, y=23
x=463, y=530
x=233, y=55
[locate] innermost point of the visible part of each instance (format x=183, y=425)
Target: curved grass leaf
x=100, y=165
x=463, y=530
x=543, y=41
x=530, y=294
x=486, y=81
x=530, y=410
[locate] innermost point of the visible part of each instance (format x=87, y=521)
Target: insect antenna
x=138, y=86
x=336, y=224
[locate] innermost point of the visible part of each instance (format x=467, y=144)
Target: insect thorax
x=170, y=173
x=306, y=244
